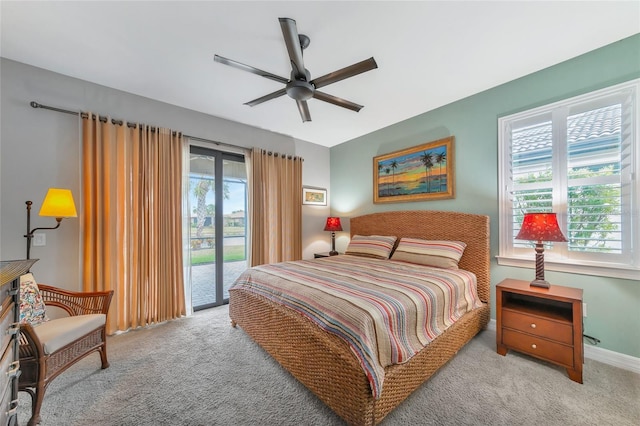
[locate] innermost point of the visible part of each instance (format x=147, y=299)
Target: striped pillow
x=376, y=246
x=441, y=254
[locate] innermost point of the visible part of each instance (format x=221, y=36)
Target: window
x=577, y=158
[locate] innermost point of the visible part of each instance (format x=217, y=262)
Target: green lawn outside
x=231, y=254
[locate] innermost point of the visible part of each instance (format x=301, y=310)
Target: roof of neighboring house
x=235, y=215
x=590, y=125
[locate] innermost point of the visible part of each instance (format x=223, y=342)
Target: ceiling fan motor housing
x=300, y=90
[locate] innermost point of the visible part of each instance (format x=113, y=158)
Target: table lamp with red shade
x=333, y=225
x=540, y=227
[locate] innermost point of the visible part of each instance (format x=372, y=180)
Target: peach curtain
x=275, y=205
x=132, y=220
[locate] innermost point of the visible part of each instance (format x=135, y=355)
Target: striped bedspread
x=385, y=310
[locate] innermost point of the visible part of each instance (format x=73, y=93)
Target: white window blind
x=576, y=158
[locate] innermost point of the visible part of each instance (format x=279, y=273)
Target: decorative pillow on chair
x=441, y=254
x=376, y=246
x=32, y=308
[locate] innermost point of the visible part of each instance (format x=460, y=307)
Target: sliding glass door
x=218, y=237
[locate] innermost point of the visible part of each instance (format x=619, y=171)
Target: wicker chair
x=49, y=349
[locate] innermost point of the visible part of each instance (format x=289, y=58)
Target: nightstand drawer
x=552, y=330
x=7, y=322
x=538, y=347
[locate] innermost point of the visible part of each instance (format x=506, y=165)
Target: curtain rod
x=120, y=122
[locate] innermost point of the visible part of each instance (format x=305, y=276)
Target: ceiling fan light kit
x=300, y=90
x=299, y=86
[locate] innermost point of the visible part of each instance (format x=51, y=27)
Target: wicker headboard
x=473, y=229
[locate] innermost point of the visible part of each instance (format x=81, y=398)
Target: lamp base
x=333, y=253
x=540, y=283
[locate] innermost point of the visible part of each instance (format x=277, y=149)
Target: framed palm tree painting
x=424, y=172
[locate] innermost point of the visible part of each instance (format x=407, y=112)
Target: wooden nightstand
x=544, y=323
x=324, y=254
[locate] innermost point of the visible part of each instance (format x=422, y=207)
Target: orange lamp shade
x=540, y=227
x=333, y=224
x=58, y=203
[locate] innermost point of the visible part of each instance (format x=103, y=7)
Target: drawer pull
x=13, y=329
x=533, y=325
x=533, y=346
x=11, y=412
x=14, y=369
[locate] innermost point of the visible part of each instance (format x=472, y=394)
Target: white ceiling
x=429, y=53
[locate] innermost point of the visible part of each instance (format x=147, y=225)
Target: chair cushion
x=59, y=332
x=32, y=307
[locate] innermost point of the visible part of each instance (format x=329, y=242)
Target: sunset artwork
x=424, y=172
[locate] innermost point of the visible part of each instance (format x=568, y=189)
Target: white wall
x=314, y=238
x=41, y=149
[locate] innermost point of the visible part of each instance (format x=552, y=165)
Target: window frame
x=557, y=255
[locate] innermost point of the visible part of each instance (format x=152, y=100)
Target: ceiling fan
x=300, y=87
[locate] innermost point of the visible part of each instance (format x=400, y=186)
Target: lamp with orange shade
x=333, y=225
x=57, y=203
x=540, y=227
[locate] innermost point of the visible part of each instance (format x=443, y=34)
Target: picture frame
x=314, y=196
x=421, y=173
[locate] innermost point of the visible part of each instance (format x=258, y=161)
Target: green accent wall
x=613, y=305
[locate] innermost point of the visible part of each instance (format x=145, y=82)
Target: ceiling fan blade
x=248, y=68
x=268, y=97
x=350, y=71
x=291, y=39
x=337, y=101
x=304, y=111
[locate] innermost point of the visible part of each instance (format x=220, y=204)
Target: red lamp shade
x=333, y=224
x=540, y=227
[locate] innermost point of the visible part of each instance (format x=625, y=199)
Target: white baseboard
x=492, y=325
x=605, y=356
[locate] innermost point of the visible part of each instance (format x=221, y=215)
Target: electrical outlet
x=39, y=240
x=584, y=309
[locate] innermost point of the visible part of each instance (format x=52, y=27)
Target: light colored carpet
x=201, y=371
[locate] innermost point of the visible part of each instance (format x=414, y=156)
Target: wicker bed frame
x=325, y=364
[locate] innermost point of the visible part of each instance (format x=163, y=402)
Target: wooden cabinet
x=10, y=272
x=544, y=323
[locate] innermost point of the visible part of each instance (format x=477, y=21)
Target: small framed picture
x=314, y=196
